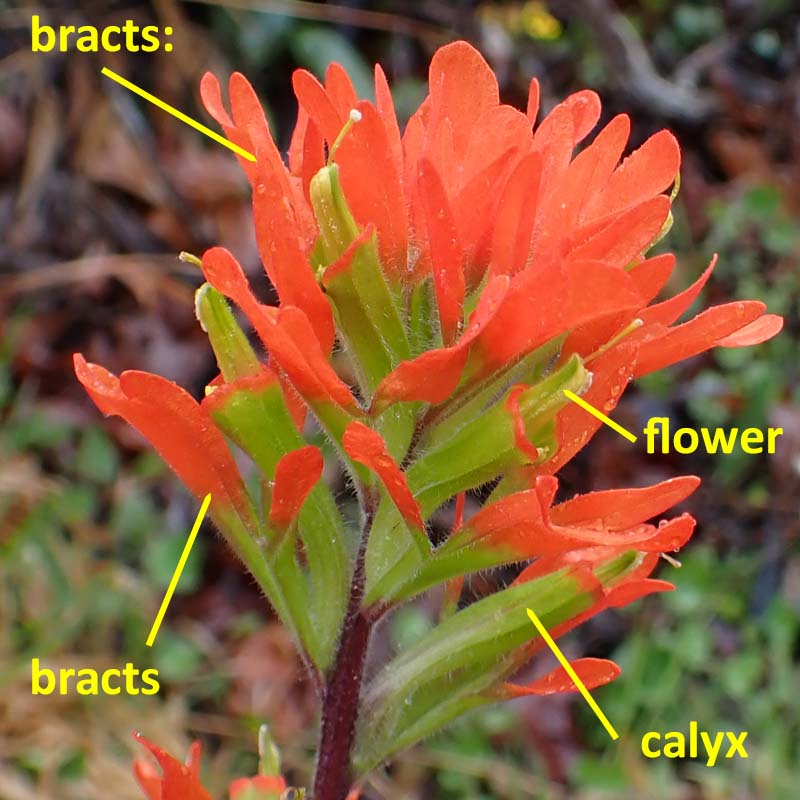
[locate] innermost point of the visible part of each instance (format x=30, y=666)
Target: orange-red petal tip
x=592, y=672
x=295, y=476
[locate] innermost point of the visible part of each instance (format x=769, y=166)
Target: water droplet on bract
x=261, y=188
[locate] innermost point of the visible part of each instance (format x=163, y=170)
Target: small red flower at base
x=262, y=787
x=182, y=781
x=177, y=781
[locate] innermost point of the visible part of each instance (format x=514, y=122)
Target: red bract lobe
x=176, y=781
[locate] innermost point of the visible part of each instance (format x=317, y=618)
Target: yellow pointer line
x=600, y=415
x=574, y=675
x=179, y=114
x=178, y=570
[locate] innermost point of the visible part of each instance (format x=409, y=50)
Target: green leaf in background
x=73, y=766
x=176, y=657
x=600, y=774
x=134, y=520
x=75, y=504
x=161, y=556
x=257, y=37
x=741, y=674
x=97, y=459
x=148, y=466
x=39, y=430
x=696, y=24
x=5, y=385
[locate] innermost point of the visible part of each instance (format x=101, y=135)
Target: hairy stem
x=333, y=778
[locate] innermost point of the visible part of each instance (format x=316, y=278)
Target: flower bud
x=368, y=314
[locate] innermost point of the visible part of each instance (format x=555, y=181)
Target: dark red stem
x=333, y=777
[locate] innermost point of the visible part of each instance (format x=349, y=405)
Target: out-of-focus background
x=99, y=192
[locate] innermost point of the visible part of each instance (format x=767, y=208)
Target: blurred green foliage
x=257, y=41
x=84, y=561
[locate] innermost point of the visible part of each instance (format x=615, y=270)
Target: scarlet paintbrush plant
x=468, y=271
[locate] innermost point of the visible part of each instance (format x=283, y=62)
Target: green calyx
x=235, y=356
x=486, y=447
x=337, y=227
x=368, y=313
x=482, y=449
x=452, y=668
x=255, y=417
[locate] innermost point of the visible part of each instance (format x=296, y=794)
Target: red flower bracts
x=262, y=787
x=465, y=272
x=176, y=781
